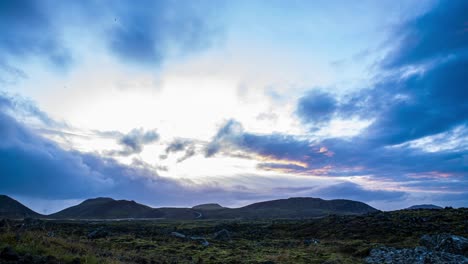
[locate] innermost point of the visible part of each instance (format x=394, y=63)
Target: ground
x=333, y=239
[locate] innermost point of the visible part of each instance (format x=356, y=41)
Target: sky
x=178, y=103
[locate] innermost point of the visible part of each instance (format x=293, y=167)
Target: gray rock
x=418, y=255
x=312, y=241
x=177, y=234
x=446, y=243
x=223, y=235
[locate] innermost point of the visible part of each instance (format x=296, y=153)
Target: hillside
x=424, y=206
x=302, y=207
x=10, y=208
x=107, y=208
x=209, y=206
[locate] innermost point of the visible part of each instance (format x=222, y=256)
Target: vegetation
x=332, y=239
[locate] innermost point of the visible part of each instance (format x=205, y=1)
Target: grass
x=343, y=239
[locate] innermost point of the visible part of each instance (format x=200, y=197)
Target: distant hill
x=424, y=206
x=107, y=208
x=293, y=208
x=209, y=206
x=10, y=208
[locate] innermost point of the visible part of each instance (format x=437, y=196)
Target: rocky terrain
x=405, y=236
x=439, y=248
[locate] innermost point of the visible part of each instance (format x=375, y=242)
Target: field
x=333, y=239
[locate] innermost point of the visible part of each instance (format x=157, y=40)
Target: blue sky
x=176, y=103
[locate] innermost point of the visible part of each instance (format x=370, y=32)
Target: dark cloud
x=35, y=166
x=316, y=107
x=334, y=156
x=134, y=141
x=231, y=137
x=440, y=33
x=425, y=105
x=181, y=145
x=27, y=30
x=434, y=99
x=146, y=32
x=408, y=104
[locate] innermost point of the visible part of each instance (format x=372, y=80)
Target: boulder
x=312, y=241
x=177, y=234
x=446, y=243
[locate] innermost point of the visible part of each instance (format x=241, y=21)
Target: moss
x=343, y=239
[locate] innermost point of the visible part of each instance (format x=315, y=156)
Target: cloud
x=181, y=145
x=147, y=33
x=431, y=98
x=26, y=109
x=27, y=30
x=134, y=141
x=316, y=107
x=421, y=90
x=440, y=33
x=34, y=166
x=333, y=156
x=144, y=33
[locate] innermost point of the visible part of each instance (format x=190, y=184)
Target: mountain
x=209, y=206
x=107, y=208
x=10, y=208
x=300, y=207
x=424, y=206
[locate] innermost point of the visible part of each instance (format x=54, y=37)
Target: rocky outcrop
x=418, y=255
x=446, y=243
x=440, y=248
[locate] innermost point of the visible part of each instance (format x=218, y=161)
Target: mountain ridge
x=294, y=207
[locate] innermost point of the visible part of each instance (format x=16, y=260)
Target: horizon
x=182, y=103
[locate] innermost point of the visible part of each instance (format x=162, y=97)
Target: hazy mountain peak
x=208, y=206
x=424, y=206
